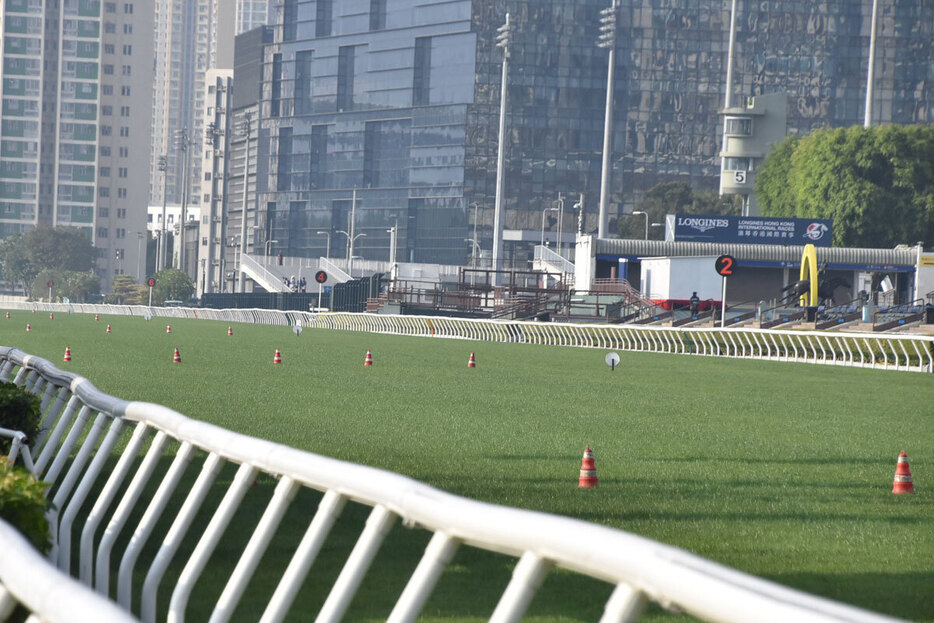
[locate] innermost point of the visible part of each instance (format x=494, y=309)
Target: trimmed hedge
x=23, y=504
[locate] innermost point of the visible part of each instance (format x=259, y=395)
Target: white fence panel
x=642, y=570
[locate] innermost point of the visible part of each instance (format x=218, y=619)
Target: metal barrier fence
x=902, y=352
x=87, y=430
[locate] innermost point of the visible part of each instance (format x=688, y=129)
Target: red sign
x=152, y=282
x=321, y=276
x=50, y=283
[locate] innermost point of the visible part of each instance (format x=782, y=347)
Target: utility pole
x=161, y=251
x=182, y=141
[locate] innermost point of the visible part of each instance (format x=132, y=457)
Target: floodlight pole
x=607, y=40
x=502, y=41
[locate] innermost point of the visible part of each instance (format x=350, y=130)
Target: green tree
x=16, y=263
x=673, y=198
x=126, y=291
x=24, y=256
x=77, y=287
x=171, y=285
x=772, y=190
x=876, y=184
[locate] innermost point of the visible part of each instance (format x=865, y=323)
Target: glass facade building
x=400, y=100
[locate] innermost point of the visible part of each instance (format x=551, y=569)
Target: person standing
x=695, y=304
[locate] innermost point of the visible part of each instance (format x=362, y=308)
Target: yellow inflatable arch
x=809, y=272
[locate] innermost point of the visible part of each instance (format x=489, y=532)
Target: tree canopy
x=172, y=285
x=673, y=198
x=24, y=256
x=877, y=184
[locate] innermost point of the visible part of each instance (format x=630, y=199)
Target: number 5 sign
x=739, y=177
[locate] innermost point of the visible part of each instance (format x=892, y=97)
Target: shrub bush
x=23, y=504
x=19, y=410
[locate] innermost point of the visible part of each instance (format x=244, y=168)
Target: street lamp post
x=245, y=128
x=266, y=249
x=182, y=142
x=161, y=251
x=350, y=240
x=646, y=215
x=607, y=40
x=327, y=253
x=560, y=220
x=548, y=209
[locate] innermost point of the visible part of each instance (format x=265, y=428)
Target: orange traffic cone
x=96, y=318
x=369, y=359
x=588, y=477
x=168, y=328
x=277, y=358
x=229, y=330
x=8, y=315
x=177, y=358
x=902, y=483
x=67, y=354
x=51, y=316
x=472, y=362
x=108, y=328
x=28, y=328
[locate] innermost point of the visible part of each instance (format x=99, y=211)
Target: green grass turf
x=782, y=470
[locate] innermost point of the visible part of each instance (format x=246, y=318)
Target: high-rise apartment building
x=75, y=80
x=400, y=100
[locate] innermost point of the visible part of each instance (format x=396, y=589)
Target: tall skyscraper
x=400, y=100
x=75, y=75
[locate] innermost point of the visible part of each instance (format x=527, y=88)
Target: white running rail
x=895, y=351
x=87, y=498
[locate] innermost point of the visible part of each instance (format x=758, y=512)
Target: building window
x=123, y=152
x=290, y=19
x=125, y=70
x=110, y=28
x=105, y=151
x=319, y=153
x=377, y=14
x=422, y=74
x=108, y=69
x=120, y=232
x=107, y=89
x=322, y=18
x=104, y=172
x=110, y=7
x=102, y=232
x=276, y=85
x=739, y=126
x=105, y=130
x=124, y=111
x=737, y=164
x=284, y=166
x=122, y=171
x=128, y=29
x=121, y=193
x=124, y=131
x=121, y=212
x=303, y=82
x=128, y=8
x=127, y=50
x=108, y=48
x=107, y=110
x=125, y=91
x=103, y=191
x=103, y=212
x=345, y=76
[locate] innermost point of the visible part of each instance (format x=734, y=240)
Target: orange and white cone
x=902, y=483
x=96, y=318
x=588, y=477
x=28, y=328
x=8, y=315
x=51, y=316
x=277, y=358
x=67, y=354
x=168, y=328
x=229, y=330
x=369, y=359
x=108, y=328
x=472, y=362
x=177, y=358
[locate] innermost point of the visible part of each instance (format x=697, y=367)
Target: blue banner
x=748, y=229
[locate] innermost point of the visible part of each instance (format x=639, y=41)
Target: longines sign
x=748, y=229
